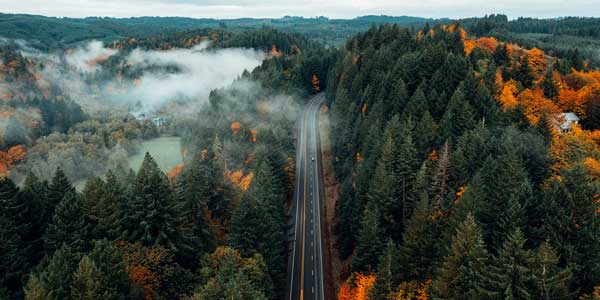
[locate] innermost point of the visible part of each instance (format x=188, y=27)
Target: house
x=564, y=122
x=159, y=121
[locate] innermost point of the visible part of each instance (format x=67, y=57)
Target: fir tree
x=509, y=275
x=69, y=225
x=425, y=131
x=549, y=84
x=85, y=284
x=153, y=216
x=461, y=274
x=13, y=263
x=56, y=277
x=257, y=226
x=58, y=189
x=419, y=251
x=551, y=281
x=34, y=289
x=457, y=119
x=387, y=273
x=370, y=240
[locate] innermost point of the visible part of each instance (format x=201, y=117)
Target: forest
x=455, y=177
x=451, y=160
x=200, y=231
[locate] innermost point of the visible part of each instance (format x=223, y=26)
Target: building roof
x=570, y=117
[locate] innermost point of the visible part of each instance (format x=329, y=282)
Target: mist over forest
x=375, y=158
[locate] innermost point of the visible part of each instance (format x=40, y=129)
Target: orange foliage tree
x=412, y=291
x=9, y=158
x=507, y=98
x=151, y=268
x=360, y=290
x=535, y=104
x=316, y=84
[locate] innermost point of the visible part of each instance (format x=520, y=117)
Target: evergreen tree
x=457, y=119
x=417, y=105
x=85, y=284
x=425, y=131
x=524, y=73
x=461, y=274
x=13, y=263
x=347, y=211
x=551, y=281
x=153, y=216
x=549, y=85
x=387, y=273
x=257, y=226
x=370, y=243
x=34, y=289
x=56, y=277
x=570, y=221
x=503, y=193
x=439, y=184
x=501, y=54
x=419, y=251
x=509, y=275
x=34, y=194
x=69, y=225
x=101, y=208
x=111, y=270
x=58, y=189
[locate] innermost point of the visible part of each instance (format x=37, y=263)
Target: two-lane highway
x=305, y=270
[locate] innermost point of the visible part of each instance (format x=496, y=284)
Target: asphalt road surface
x=305, y=267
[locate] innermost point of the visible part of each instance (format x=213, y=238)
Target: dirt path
x=335, y=266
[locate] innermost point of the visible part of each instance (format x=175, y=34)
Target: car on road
x=313, y=158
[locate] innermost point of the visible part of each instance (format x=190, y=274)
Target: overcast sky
x=308, y=8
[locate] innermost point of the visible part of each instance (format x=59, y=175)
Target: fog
x=162, y=77
x=199, y=71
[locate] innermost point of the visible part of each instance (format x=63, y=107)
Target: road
x=305, y=267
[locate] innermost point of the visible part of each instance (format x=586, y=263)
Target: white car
x=313, y=158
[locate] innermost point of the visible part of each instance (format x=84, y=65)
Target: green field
x=165, y=150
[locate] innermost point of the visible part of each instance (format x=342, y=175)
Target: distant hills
x=558, y=34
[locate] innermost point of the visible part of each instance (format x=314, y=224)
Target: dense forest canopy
x=455, y=179
x=450, y=158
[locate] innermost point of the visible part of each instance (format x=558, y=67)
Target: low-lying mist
x=143, y=81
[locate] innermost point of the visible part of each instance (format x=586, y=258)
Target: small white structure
x=566, y=121
x=159, y=121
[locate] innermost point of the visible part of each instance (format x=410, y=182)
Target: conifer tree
x=457, y=119
x=257, y=226
x=503, y=194
x=387, y=273
x=551, y=281
x=59, y=187
x=509, y=276
x=13, y=263
x=111, y=270
x=549, y=84
x=461, y=274
x=85, y=284
x=34, y=193
x=69, y=225
x=34, y=289
x=56, y=277
x=419, y=251
x=425, y=133
x=370, y=242
x=153, y=216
